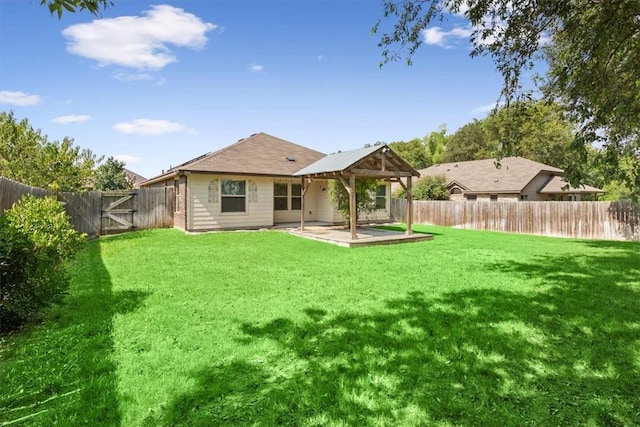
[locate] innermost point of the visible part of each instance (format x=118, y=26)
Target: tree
x=435, y=143
x=469, y=143
x=111, y=176
x=592, y=49
x=365, y=197
x=27, y=156
x=92, y=6
x=427, y=188
x=542, y=132
x=414, y=152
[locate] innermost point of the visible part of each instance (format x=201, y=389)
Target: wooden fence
x=584, y=220
x=97, y=212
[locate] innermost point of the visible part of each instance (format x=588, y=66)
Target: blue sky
x=156, y=84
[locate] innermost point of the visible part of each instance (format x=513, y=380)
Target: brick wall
x=180, y=213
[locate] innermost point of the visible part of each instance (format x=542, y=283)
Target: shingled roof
x=259, y=154
x=557, y=183
x=482, y=176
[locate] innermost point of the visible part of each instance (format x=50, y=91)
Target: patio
x=366, y=236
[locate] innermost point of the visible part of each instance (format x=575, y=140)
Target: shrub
x=427, y=188
x=365, y=197
x=36, y=240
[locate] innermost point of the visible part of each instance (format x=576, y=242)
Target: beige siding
x=205, y=207
x=324, y=210
x=290, y=215
x=531, y=190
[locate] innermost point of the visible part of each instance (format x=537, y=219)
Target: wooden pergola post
x=409, y=207
x=353, y=212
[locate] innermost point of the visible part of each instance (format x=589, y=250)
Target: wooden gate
x=117, y=211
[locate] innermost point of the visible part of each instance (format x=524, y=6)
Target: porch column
x=302, y=190
x=353, y=213
x=409, y=207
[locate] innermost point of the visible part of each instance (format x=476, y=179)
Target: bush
x=36, y=240
x=427, y=188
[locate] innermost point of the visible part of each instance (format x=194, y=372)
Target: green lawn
x=264, y=328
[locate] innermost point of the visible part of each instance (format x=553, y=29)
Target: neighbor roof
x=135, y=178
x=480, y=176
x=557, y=183
x=259, y=154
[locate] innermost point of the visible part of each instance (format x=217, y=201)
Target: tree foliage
x=468, y=143
x=111, y=176
x=427, y=188
x=421, y=153
x=592, y=49
x=365, y=197
x=413, y=152
x=542, y=132
x=27, y=156
x=92, y=6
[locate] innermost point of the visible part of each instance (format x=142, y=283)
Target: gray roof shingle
x=483, y=175
x=259, y=154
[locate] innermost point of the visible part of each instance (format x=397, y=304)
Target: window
x=471, y=197
x=296, y=197
x=455, y=190
x=381, y=197
x=280, y=197
x=524, y=197
x=493, y=197
x=233, y=195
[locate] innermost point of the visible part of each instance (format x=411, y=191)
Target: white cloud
x=438, y=37
x=255, y=68
x=128, y=159
x=20, y=99
x=73, y=118
x=138, y=41
x=149, y=127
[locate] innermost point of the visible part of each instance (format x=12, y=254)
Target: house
x=134, y=178
x=517, y=179
x=253, y=184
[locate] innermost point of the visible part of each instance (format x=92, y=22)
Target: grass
x=264, y=328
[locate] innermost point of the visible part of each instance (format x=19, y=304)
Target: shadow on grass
x=565, y=355
x=61, y=371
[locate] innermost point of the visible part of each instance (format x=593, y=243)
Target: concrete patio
x=367, y=235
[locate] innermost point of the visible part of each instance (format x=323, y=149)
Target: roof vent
x=291, y=159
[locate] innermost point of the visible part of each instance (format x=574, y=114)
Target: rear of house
x=251, y=184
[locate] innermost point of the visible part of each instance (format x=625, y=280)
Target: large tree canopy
x=592, y=49
x=29, y=157
x=111, y=175
x=59, y=6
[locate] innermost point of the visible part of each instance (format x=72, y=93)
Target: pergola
x=377, y=162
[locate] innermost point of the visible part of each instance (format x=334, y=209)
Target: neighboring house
x=517, y=179
x=252, y=184
x=134, y=178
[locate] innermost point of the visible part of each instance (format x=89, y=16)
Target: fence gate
x=117, y=211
